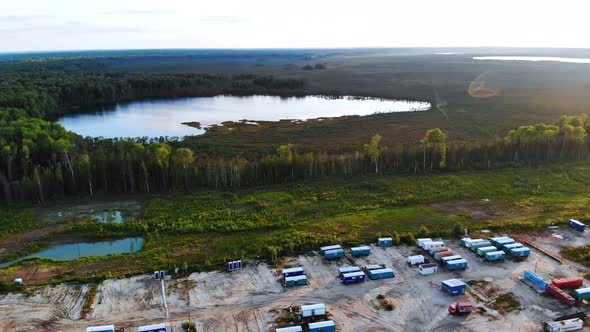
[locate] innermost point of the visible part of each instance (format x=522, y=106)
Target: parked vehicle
x=521, y=252
x=460, y=308
x=535, y=279
x=582, y=293
x=495, y=256
x=484, y=250
x=459, y=264
x=353, y=277
x=348, y=269
x=428, y=245
x=434, y=250
x=420, y=242
x=573, y=282
x=360, y=251
x=480, y=244
x=439, y=255
x=385, y=241
x=333, y=254
x=381, y=274
x=559, y=294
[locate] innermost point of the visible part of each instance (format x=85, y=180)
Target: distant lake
x=69, y=252
x=533, y=58
x=155, y=118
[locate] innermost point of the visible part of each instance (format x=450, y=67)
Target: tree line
x=40, y=160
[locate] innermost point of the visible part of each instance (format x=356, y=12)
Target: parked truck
x=460, y=308
x=495, y=256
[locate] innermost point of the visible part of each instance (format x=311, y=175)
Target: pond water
x=533, y=58
x=155, y=118
x=67, y=252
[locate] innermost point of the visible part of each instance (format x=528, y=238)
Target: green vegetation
x=580, y=254
x=506, y=302
x=14, y=220
x=89, y=301
x=203, y=230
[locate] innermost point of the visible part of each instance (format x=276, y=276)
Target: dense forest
x=41, y=161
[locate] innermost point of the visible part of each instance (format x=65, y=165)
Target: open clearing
x=251, y=299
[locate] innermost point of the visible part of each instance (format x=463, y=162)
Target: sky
x=35, y=25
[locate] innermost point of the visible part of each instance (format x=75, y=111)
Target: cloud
x=222, y=19
x=80, y=28
x=23, y=18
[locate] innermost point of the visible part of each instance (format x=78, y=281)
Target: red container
x=562, y=296
x=573, y=282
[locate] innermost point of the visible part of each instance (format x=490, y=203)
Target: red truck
x=460, y=308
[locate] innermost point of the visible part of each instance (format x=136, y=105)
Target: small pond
x=67, y=252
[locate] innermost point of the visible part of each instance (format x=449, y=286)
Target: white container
x=421, y=241
x=417, y=259
x=428, y=245
x=574, y=324
x=426, y=269
x=313, y=310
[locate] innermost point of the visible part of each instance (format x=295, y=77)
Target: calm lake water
x=533, y=58
x=69, y=252
x=164, y=117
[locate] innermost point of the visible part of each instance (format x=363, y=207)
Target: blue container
x=459, y=264
x=360, y=251
x=296, y=271
x=495, y=256
x=157, y=275
x=476, y=245
x=582, y=293
x=453, y=287
x=328, y=248
x=494, y=240
x=577, y=225
x=501, y=243
x=385, y=241
x=464, y=241
x=296, y=281
x=507, y=247
x=381, y=274
x=450, y=258
x=326, y=326
x=348, y=269
x=353, y=277
x=535, y=279
x=520, y=252
x=290, y=329
x=332, y=254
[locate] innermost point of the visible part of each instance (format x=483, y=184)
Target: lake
x=533, y=58
x=155, y=118
x=67, y=252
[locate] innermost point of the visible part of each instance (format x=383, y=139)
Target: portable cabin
x=328, y=248
x=442, y=254
x=294, y=271
x=429, y=268
x=495, y=239
x=381, y=274
x=313, y=310
x=484, y=250
x=574, y=324
x=434, y=250
x=416, y=259
x=296, y=281
x=152, y=328
x=18, y=282
x=501, y=243
x=459, y=264
x=521, y=252
x=348, y=269
x=290, y=329
x=428, y=245
x=535, y=279
x=453, y=287
x=360, y=251
x=559, y=294
x=573, y=223
x=464, y=241
x=104, y=328
x=572, y=282
x=385, y=241
x=450, y=258
x=582, y=293
x=507, y=247
x=495, y=256
x=325, y=326
x=234, y=265
x=157, y=275
x=469, y=242
x=480, y=244
x=353, y=277
x=420, y=242
x=373, y=267
x=332, y=254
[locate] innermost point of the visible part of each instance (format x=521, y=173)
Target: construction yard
x=252, y=299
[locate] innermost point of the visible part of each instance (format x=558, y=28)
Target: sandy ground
x=248, y=300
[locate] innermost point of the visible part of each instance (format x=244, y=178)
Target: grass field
x=205, y=229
